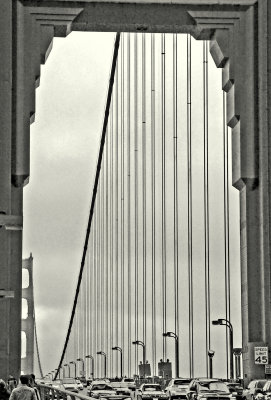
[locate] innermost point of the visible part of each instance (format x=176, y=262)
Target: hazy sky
x=64, y=147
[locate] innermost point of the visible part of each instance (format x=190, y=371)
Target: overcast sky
x=64, y=147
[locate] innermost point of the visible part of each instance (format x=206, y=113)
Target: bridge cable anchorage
x=189, y=206
x=226, y=228
x=163, y=145
x=111, y=83
x=175, y=185
x=206, y=204
x=153, y=166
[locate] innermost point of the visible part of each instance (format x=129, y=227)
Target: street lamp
x=173, y=335
x=69, y=369
x=74, y=363
x=102, y=353
x=83, y=364
x=211, y=354
x=227, y=323
x=140, y=343
x=92, y=358
x=121, y=364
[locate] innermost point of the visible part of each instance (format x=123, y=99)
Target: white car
x=70, y=384
x=150, y=391
x=177, y=388
x=100, y=389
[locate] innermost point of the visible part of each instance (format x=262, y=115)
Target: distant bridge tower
x=27, y=365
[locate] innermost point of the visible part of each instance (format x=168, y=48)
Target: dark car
x=236, y=390
x=207, y=388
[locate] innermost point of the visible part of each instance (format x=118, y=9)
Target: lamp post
x=140, y=343
x=92, y=359
x=173, y=335
x=74, y=363
x=83, y=364
x=69, y=369
x=211, y=354
x=121, y=363
x=227, y=323
x=102, y=353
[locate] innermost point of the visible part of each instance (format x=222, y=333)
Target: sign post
x=261, y=355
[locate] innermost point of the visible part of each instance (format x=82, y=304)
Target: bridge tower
x=240, y=34
x=27, y=365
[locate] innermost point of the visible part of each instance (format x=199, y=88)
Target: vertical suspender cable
x=189, y=206
x=111, y=236
x=102, y=257
x=98, y=272
x=122, y=194
x=163, y=112
x=136, y=196
x=206, y=204
x=226, y=226
x=129, y=199
x=153, y=201
x=117, y=210
x=106, y=248
x=144, y=184
x=175, y=174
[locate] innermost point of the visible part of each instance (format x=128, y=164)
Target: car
x=79, y=384
x=254, y=387
x=236, y=390
x=70, y=384
x=100, y=389
x=265, y=393
x=177, y=388
x=202, y=388
x=150, y=391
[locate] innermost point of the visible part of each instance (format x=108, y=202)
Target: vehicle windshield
x=128, y=380
x=213, y=386
x=68, y=380
x=182, y=382
x=261, y=384
x=151, y=388
x=101, y=387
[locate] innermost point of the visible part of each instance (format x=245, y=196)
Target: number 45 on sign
x=261, y=355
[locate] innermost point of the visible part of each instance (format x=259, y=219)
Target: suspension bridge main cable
x=94, y=192
x=36, y=342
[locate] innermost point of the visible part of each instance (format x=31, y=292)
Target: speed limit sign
x=261, y=355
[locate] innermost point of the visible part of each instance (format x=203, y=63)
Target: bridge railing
x=48, y=392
